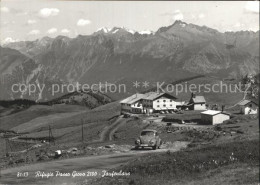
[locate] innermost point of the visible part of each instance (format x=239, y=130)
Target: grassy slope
x=36, y=111
x=128, y=132
x=237, y=174
x=39, y=117
x=211, y=97
x=188, y=166
x=66, y=120
x=66, y=127
x=73, y=134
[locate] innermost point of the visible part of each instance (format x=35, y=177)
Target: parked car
x=148, y=138
x=127, y=116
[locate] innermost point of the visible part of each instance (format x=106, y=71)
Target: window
x=171, y=105
x=158, y=105
x=164, y=105
x=170, y=100
x=158, y=100
x=164, y=100
x=147, y=133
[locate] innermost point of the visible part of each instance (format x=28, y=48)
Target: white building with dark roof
x=197, y=102
x=248, y=107
x=160, y=102
x=132, y=104
x=213, y=117
x=149, y=103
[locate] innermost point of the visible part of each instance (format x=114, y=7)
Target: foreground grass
x=190, y=165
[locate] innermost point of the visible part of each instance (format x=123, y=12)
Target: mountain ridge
x=116, y=55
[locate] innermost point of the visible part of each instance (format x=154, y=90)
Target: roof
x=132, y=99
x=149, y=130
x=152, y=95
x=244, y=102
x=155, y=95
x=214, y=112
x=147, y=96
x=186, y=104
x=199, y=99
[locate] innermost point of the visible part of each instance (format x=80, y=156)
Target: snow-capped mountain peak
x=148, y=32
x=104, y=29
x=128, y=30
x=115, y=30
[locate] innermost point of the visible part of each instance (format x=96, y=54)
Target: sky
x=29, y=20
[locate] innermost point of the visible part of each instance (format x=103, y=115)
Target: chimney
x=193, y=95
x=222, y=108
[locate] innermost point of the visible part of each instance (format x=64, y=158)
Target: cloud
x=48, y=12
x=201, y=15
x=34, y=32
x=177, y=15
x=9, y=40
x=52, y=30
x=83, y=22
x=65, y=31
x=5, y=9
x=31, y=21
x=252, y=7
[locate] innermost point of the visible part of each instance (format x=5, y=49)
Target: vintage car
x=148, y=138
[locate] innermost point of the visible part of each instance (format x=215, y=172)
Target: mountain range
x=121, y=55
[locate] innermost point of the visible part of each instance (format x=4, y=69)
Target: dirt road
x=96, y=164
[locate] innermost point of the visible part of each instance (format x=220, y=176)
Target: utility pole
x=51, y=136
x=26, y=144
x=82, y=131
x=6, y=147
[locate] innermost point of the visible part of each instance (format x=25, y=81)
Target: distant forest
x=17, y=102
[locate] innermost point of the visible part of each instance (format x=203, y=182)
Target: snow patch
x=148, y=32
x=128, y=30
x=116, y=30
x=104, y=29
x=182, y=25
